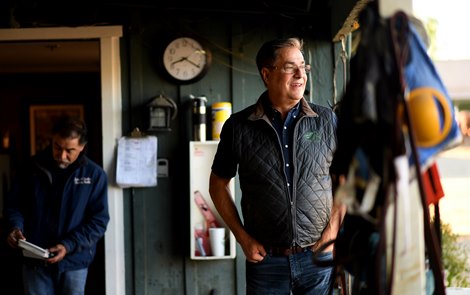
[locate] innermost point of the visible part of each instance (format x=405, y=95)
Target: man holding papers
x=58, y=202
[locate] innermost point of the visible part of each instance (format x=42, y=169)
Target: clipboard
x=137, y=160
x=136, y=133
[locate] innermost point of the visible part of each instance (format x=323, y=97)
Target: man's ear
x=83, y=147
x=265, y=75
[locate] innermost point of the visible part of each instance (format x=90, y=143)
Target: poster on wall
x=42, y=119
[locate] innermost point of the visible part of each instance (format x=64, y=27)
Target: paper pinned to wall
x=137, y=161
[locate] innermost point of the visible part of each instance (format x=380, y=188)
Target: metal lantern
x=162, y=109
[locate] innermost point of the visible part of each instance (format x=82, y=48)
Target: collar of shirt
x=276, y=118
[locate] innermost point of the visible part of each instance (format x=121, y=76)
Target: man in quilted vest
x=282, y=147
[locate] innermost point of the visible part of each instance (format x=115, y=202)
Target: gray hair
x=269, y=51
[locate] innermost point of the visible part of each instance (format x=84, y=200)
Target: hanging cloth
x=432, y=113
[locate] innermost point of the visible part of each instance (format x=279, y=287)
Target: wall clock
x=186, y=60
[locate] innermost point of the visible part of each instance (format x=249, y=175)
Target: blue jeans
x=281, y=275
x=46, y=280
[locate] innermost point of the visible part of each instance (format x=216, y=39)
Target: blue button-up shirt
x=285, y=130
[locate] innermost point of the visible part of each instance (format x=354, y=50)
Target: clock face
x=186, y=60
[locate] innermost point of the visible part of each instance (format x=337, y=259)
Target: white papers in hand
x=33, y=251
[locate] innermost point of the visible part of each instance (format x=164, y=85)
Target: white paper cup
x=217, y=240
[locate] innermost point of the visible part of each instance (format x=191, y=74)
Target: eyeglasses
x=292, y=69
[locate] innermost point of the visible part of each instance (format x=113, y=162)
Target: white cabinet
x=202, y=210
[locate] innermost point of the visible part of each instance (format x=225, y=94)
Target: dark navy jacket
x=73, y=212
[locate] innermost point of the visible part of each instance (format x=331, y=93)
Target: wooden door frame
x=111, y=130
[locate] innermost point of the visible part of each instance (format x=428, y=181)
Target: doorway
x=107, y=39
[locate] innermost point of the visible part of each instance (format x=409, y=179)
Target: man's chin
x=63, y=165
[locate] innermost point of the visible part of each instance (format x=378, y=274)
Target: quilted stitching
x=265, y=198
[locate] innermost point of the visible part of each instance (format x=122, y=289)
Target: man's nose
x=299, y=71
x=63, y=155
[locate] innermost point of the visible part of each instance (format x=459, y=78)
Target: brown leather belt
x=285, y=251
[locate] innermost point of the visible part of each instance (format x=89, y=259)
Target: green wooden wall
x=157, y=219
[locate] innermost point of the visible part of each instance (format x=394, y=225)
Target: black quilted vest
x=270, y=213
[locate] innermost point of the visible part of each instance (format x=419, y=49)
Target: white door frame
x=111, y=109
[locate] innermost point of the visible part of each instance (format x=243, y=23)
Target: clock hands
x=191, y=62
x=179, y=60
x=186, y=58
